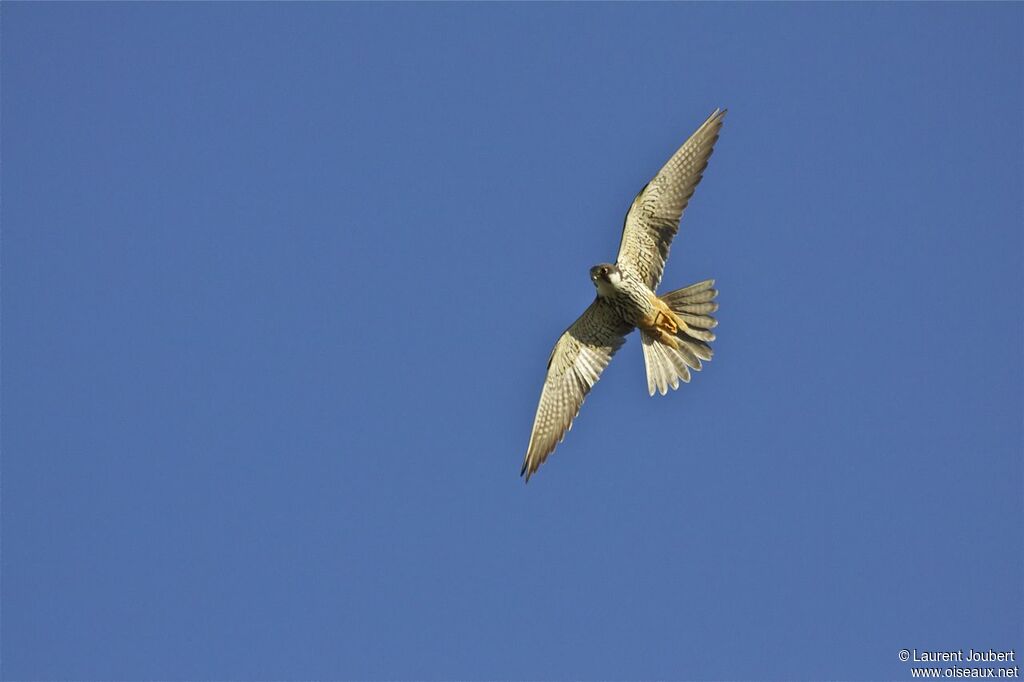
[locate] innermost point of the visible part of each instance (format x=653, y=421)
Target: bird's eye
x=604, y=271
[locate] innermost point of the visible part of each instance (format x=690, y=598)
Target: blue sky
x=279, y=283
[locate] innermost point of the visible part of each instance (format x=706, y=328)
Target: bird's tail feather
x=668, y=364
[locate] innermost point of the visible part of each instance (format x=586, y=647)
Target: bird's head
x=606, y=277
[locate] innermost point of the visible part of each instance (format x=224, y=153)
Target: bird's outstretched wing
x=653, y=218
x=576, y=363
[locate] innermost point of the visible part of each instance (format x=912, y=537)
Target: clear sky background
x=280, y=282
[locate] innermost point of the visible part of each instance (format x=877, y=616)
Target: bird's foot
x=663, y=336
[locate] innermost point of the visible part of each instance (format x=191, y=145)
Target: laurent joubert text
x=958, y=655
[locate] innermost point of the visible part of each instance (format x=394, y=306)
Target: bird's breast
x=633, y=304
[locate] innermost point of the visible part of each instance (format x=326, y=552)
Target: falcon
x=675, y=328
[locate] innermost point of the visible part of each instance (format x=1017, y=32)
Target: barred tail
x=668, y=363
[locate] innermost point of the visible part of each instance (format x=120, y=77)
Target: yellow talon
x=665, y=322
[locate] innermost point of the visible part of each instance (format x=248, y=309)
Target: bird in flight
x=675, y=328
